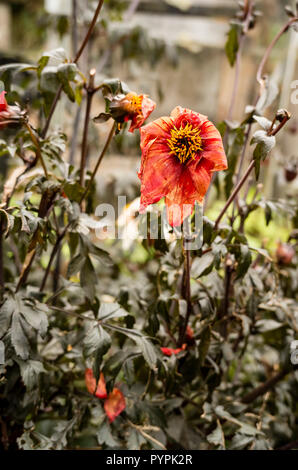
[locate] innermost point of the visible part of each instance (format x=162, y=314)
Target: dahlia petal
x=192, y=187
x=159, y=173
x=213, y=149
x=179, y=112
x=148, y=106
x=101, y=391
x=160, y=128
x=115, y=404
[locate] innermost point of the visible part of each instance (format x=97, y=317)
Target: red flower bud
x=285, y=253
x=170, y=351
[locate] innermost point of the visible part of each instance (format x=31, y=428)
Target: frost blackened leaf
x=96, y=338
x=104, y=435
x=111, y=310
x=18, y=338
x=88, y=278
x=232, y=45
x=265, y=144
x=144, y=344
x=30, y=371
x=62, y=430
x=75, y=265
x=6, y=311
x=217, y=436
x=244, y=262
x=36, y=316
x=240, y=441
x=202, y=266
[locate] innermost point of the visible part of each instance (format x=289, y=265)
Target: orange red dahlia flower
x=179, y=155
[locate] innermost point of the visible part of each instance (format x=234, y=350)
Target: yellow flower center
x=185, y=142
x=134, y=103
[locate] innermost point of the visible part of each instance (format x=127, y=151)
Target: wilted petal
x=138, y=119
x=101, y=391
x=114, y=404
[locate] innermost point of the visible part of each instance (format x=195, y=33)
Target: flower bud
x=284, y=253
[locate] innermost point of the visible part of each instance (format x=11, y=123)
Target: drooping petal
x=138, y=119
x=158, y=129
x=114, y=404
x=192, y=187
x=3, y=102
x=159, y=170
x=180, y=113
x=101, y=391
x=213, y=149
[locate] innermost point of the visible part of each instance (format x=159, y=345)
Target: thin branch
x=262, y=389
x=89, y=32
x=186, y=294
x=112, y=131
x=90, y=92
x=270, y=47
x=78, y=55
x=35, y=141
x=246, y=174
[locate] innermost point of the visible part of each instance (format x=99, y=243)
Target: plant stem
x=260, y=81
x=38, y=151
x=111, y=133
x=262, y=389
x=89, y=32
x=236, y=190
x=52, y=257
x=78, y=55
x=90, y=92
x=186, y=293
x=270, y=47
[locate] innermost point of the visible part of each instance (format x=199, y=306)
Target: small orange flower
x=179, y=155
x=115, y=404
x=132, y=107
x=101, y=391
x=170, y=351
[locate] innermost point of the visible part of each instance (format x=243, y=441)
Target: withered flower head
x=124, y=107
x=9, y=115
